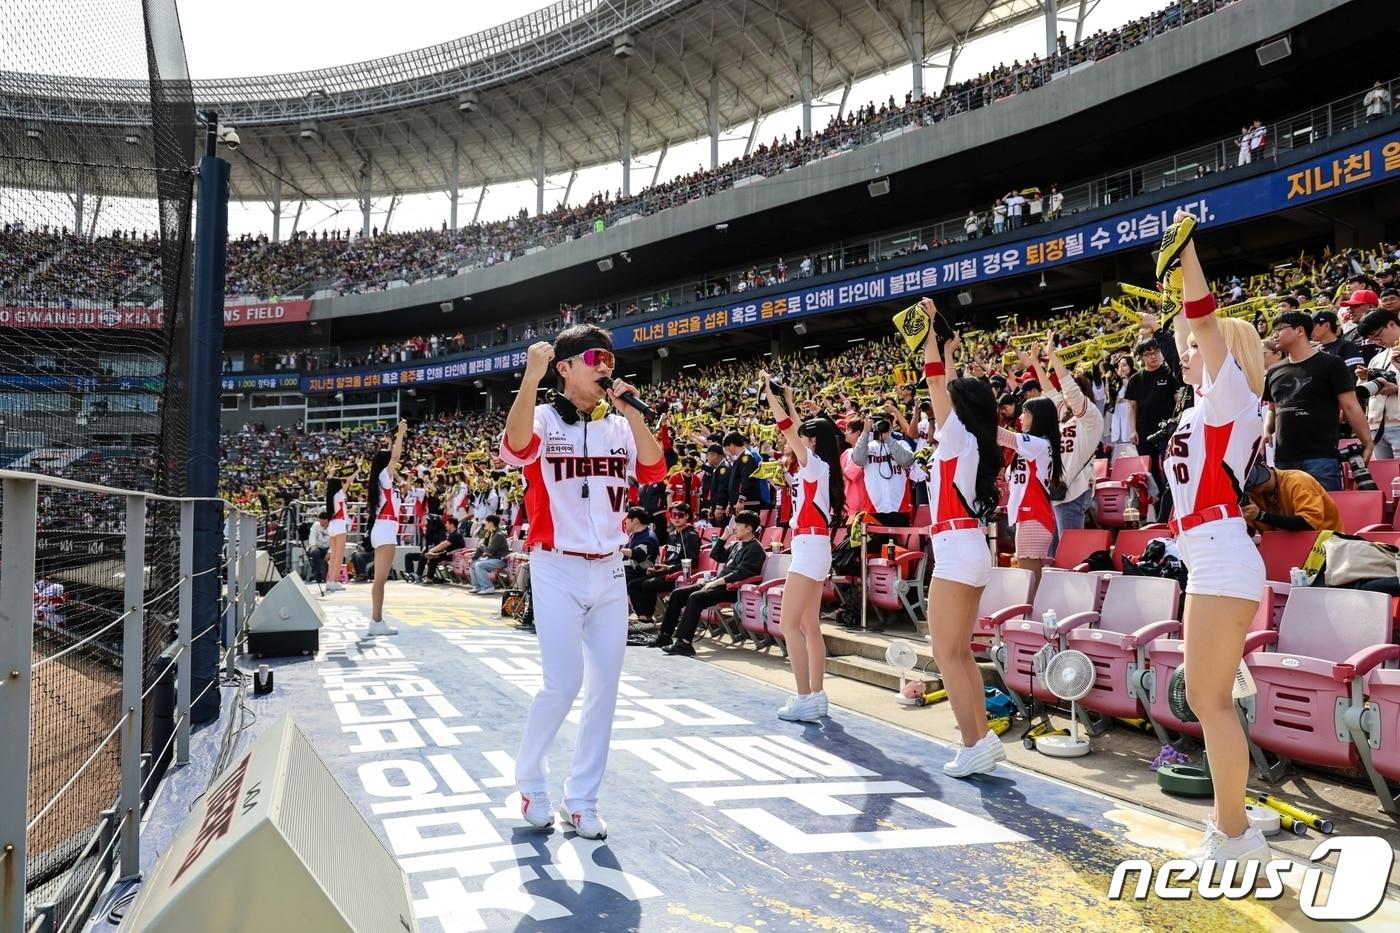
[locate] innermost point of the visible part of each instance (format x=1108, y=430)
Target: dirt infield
x=75, y=701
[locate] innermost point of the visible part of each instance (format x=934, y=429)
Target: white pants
x=581, y=617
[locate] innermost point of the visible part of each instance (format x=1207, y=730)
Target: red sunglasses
x=595, y=357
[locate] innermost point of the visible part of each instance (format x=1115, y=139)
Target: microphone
x=629, y=397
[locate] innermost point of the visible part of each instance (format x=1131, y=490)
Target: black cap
x=1258, y=475
x=1373, y=321
x=1329, y=317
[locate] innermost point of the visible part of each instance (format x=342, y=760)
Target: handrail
x=46, y=479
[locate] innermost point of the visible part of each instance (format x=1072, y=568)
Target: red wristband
x=934, y=369
x=784, y=424
x=1201, y=307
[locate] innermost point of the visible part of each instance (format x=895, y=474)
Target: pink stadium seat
x=1379, y=743
x=1130, y=542
x=1327, y=638
x=1391, y=538
x=770, y=534
x=1284, y=550
x=1384, y=473
x=748, y=609
x=1125, y=468
x=1010, y=588
x=897, y=586
x=1100, y=468
x=1135, y=611
x=1361, y=510
x=1077, y=544
x=773, y=616
x=1023, y=634
x=1165, y=655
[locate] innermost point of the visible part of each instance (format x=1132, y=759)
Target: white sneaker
x=1217, y=850
x=537, y=809
x=801, y=708
x=586, y=822
x=334, y=587
x=980, y=758
x=821, y=703
x=380, y=628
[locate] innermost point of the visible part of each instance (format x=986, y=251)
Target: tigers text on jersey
x=1215, y=442
x=952, y=480
x=886, y=482
x=561, y=462
x=813, y=491
x=1028, y=500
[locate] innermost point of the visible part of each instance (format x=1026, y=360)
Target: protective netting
x=94, y=301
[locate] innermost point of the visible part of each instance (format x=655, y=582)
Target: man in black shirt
x=743, y=557
x=1305, y=391
x=1327, y=334
x=683, y=544
x=1151, y=395
x=443, y=549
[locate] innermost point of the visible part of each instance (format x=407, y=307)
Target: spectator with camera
x=1378, y=380
x=885, y=459
x=1305, y=391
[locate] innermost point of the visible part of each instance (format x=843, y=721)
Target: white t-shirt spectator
x=1377, y=102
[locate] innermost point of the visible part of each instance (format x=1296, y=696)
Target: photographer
x=885, y=459
x=1378, y=379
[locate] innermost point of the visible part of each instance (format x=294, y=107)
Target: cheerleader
x=962, y=490
x=335, y=505
x=818, y=494
x=1206, y=461
x=385, y=506
x=1034, y=467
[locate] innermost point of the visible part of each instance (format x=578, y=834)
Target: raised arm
x=396, y=452
x=1198, y=307
x=935, y=371
x=520, y=422
x=787, y=425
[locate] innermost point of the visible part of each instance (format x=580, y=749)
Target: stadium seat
x=774, y=569
x=1100, y=469
x=1135, y=611
x=1284, y=550
x=770, y=534
x=1112, y=498
x=1131, y=542
x=1008, y=589
x=1022, y=635
x=1384, y=472
x=1361, y=510
x=750, y=611
x=1125, y=468
x=1077, y=544
x=1305, y=672
x=897, y=585
x=1375, y=728
x=773, y=617
x=1166, y=654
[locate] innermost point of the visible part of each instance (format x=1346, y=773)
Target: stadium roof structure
x=575, y=84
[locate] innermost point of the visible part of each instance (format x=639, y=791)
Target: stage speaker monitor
x=287, y=620
x=276, y=844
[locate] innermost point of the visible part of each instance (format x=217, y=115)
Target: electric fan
x=1176, y=695
x=1070, y=676
x=900, y=656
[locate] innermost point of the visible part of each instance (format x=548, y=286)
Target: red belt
x=584, y=555
x=954, y=524
x=811, y=530
x=1212, y=514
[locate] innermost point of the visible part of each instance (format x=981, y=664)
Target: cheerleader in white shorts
x=1036, y=464
x=335, y=504
x=961, y=488
x=385, y=506
x=818, y=494
x=1206, y=461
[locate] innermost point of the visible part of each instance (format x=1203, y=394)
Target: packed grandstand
x=1039, y=240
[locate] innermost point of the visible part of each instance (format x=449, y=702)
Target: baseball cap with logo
x=1360, y=297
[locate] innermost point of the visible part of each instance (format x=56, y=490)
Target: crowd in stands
x=34, y=264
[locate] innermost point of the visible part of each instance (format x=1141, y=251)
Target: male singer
x=576, y=471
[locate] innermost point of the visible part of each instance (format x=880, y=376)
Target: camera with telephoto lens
x=882, y=427
x=1360, y=476
x=1375, y=380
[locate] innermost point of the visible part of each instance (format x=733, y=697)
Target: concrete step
x=865, y=670
x=871, y=645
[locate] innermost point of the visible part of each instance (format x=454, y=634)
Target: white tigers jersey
x=338, y=513
x=812, y=507
x=886, y=482
x=1026, y=478
x=952, y=480
x=1079, y=438
x=1215, y=442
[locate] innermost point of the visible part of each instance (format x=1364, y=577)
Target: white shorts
x=384, y=532
x=811, y=556
x=961, y=556
x=1222, y=560
x=336, y=527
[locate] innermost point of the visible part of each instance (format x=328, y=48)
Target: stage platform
x=721, y=816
